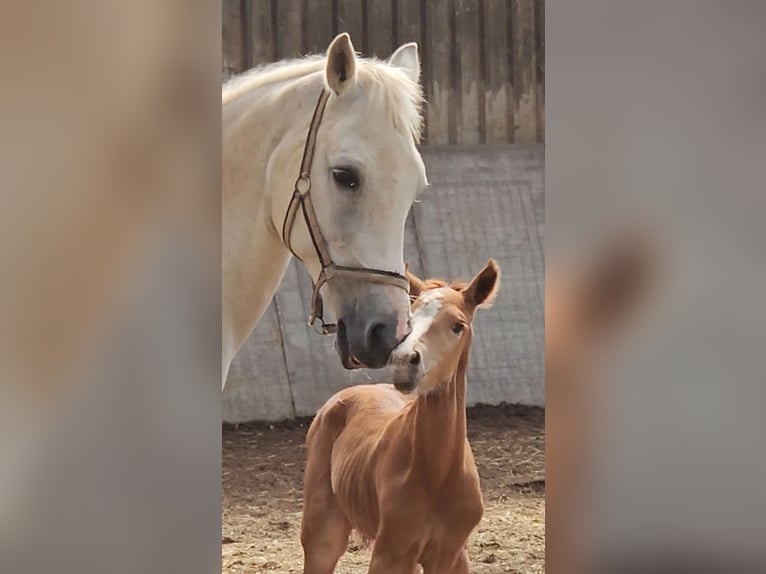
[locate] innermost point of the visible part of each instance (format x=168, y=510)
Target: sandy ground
x=262, y=495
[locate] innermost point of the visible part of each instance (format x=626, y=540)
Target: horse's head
x=441, y=327
x=365, y=174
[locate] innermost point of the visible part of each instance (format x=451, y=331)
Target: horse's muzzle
x=366, y=342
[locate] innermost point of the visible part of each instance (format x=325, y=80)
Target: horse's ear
x=484, y=287
x=406, y=57
x=340, y=71
x=416, y=284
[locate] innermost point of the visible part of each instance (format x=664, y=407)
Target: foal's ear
x=406, y=57
x=416, y=284
x=484, y=287
x=340, y=71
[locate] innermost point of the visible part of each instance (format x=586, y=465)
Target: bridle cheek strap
x=301, y=199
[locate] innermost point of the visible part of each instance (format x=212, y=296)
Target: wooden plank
x=232, y=40
x=439, y=86
x=289, y=29
x=260, y=32
x=380, y=42
x=408, y=22
x=425, y=62
x=525, y=73
x=409, y=28
x=469, y=72
x=496, y=72
x=350, y=20
x=319, y=24
x=540, y=57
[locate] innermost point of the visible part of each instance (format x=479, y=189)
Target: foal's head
x=441, y=327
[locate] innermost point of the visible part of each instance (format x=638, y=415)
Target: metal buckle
x=303, y=185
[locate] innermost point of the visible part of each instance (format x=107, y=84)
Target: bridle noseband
x=301, y=198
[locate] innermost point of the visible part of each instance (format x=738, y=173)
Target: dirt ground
x=262, y=495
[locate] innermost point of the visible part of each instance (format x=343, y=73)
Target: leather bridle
x=301, y=198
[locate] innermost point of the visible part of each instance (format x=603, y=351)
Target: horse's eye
x=457, y=328
x=346, y=177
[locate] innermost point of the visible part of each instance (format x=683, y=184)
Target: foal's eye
x=346, y=177
x=457, y=328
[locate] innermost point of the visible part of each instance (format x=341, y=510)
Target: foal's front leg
x=384, y=563
x=459, y=566
x=394, y=554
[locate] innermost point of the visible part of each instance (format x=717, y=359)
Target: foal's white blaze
x=421, y=322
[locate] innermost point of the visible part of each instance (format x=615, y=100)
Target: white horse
x=365, y=174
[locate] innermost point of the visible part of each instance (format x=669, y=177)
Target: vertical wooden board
x=260, y=32
x=408, y=22
x=540, y=57
x=233, y=45
x=439, y=86
x=409, y=28
x=350, y=20
x=289, y=29
x=525, y=73
x=258, y=386
x=380, y=42
x=496, y=73
x=318, y=26
x=469, y=72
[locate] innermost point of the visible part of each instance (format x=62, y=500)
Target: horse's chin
x=349, y=361
x=352, y=363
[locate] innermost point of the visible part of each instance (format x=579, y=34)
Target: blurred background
x=482, y=69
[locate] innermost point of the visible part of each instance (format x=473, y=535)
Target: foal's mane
x=390, y=88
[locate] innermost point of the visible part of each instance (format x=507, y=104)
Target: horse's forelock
x=401, y=98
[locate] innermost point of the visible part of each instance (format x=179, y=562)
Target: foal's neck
x=440, y=425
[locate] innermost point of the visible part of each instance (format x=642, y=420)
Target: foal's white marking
x=422, y=319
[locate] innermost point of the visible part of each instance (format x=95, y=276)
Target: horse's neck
x=259, y=127
x=439, y=420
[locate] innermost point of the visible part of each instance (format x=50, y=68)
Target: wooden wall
x=483, y=60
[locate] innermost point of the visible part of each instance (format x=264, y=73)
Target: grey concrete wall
x=485, y=201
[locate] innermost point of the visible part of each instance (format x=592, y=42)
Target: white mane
x=389, y=88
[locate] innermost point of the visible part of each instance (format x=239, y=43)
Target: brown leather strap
x=302, y=186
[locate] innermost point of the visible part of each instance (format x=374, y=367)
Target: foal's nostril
x=415, y=358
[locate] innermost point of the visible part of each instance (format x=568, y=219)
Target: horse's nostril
x=377, y=334
x=376, y=346
x=415, y=358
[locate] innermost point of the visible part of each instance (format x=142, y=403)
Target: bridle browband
x=301, y=198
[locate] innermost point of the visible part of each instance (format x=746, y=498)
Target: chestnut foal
x=399, y=468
